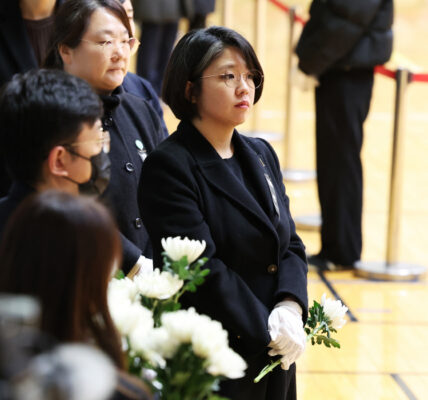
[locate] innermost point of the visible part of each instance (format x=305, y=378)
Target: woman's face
x=103, y=67
x=221, y=104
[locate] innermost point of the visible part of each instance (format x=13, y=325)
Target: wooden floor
x=384, y=347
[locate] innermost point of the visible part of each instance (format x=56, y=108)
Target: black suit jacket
x=129, y=119
x=187, y=190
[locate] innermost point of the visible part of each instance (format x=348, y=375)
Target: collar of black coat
x=205, y=153
x=112, y=100
x=216, y=172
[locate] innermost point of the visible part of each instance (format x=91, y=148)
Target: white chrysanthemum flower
x=181, y=324
x=122, y=289
x=129, y=316
x=176, y=248
x=226, y=362
x=335, y=311
x=147, y=341
x=162, y=342
x=209, y=338
x=157, y=284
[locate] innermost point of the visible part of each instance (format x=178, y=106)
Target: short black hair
x=191, y=56
x=71, y=22
x=39, y=110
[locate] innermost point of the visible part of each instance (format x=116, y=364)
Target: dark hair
x=38, y=111
x=71, y=22
x=60, y=248
x=191, y=56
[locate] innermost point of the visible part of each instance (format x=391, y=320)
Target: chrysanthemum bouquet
x=181, y=354
x=324, y=319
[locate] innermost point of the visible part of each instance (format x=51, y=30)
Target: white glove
x=142, y=266
x=287, y=333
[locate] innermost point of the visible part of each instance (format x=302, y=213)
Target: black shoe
x=319, y=263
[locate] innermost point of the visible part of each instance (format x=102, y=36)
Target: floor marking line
x=397, y=378
x=351, y=316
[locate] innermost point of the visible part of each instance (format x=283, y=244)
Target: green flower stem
x=266, y=370
x=316, y=330
x=274, y=364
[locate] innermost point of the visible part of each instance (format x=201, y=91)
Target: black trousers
x=342, y=104
x=157, y=41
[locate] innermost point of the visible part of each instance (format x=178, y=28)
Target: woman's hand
x=286, y=330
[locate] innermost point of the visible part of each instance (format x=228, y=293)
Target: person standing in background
x=159, y=25
x=340, y=45
x=201, y=8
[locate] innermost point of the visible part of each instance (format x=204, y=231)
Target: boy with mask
x=51, y=137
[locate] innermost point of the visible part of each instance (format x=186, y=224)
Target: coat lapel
x=255, y=167
x=217, y=174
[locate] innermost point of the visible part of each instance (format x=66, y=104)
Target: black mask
x=100, y=176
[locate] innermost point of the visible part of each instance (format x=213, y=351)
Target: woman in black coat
x=93, y=40
x=208, y=182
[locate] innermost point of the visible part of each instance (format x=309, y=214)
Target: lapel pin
x=142, y=152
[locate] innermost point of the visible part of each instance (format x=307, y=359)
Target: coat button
x=138, y=223
x=271, y=269
x=129, y=167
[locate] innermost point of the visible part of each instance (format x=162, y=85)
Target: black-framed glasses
x=109, y=46
x=252, y=78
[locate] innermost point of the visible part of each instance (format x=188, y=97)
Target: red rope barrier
x=379, y=69
x=285, y=8
x=382, y=70
x=419, y=77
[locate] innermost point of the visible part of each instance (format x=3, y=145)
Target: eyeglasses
x=108, y=46
x=252, y=78
x=103, y=142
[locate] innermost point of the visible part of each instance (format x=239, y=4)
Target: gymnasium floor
x=384, y=346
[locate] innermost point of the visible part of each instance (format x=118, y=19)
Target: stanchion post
x=391, y=269
x=289, y=174
x=402, y=81
x=259, y=41
x=288, y=83
x=227, y=13
x=259, y=36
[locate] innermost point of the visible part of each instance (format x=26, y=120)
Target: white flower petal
x=227, y=363
x=176, y=248
x=335, y=311
x=157, y=284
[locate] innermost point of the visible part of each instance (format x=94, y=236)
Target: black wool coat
x=131, y=122
x=187, y=190
x=343, y=34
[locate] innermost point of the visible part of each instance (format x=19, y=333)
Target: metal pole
x=227, y=13
x=294, y=175
x=260, y=33
x=303, y=222
x=391, y=269
x=259, y=45
x=291, y=23
x=396, y=168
